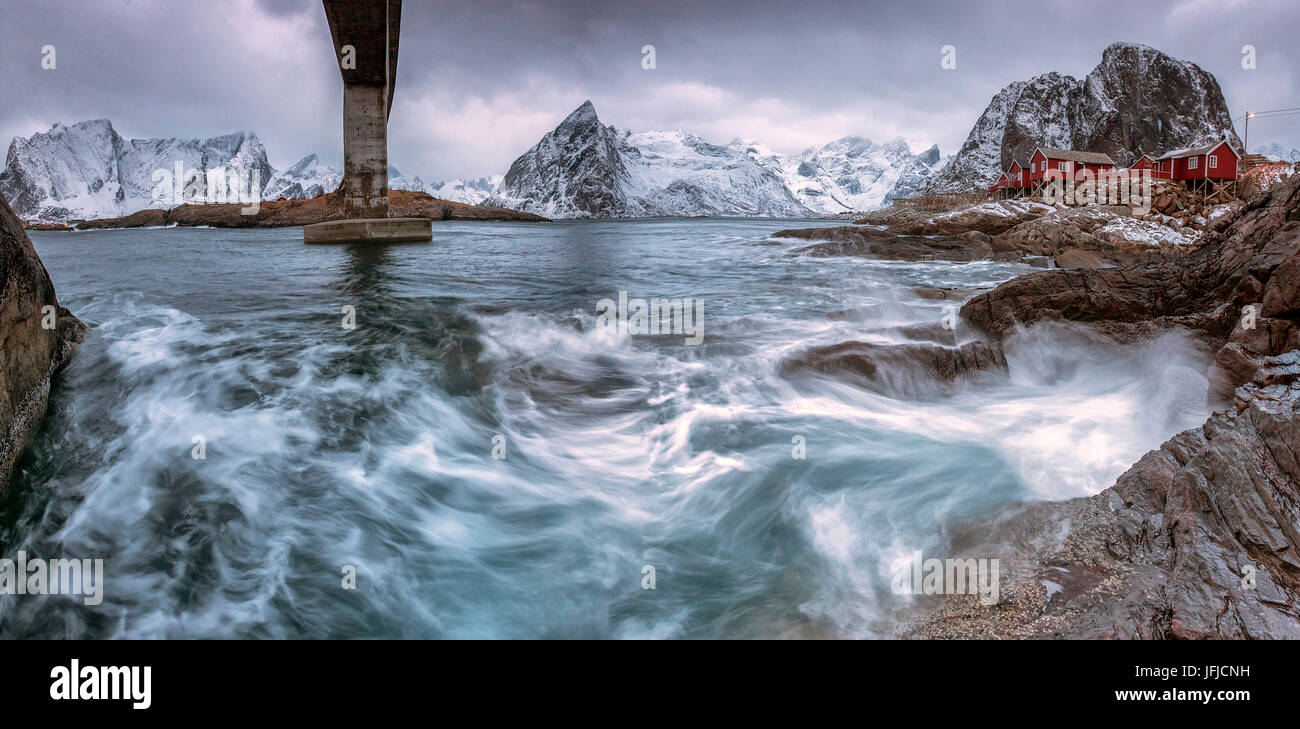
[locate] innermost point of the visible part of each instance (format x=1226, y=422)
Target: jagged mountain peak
x=1122, y=51
x=585, y=111
x=1137, y=100
x=303, y=164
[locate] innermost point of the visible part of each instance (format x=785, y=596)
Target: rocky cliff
x=1137, y=100
x=1200, y=538
x=35, y=341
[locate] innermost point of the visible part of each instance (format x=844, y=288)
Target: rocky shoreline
x=35, y=341
x=285, y=213
x=1198, y=539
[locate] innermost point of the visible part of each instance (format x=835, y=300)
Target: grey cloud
x=800, y=68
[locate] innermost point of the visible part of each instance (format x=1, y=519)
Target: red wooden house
x=1147, y=162
x=999, y=185
x=1066, y=164
x=1016, y=174
x=1216, y=161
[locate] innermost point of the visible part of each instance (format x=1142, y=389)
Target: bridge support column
x=365, y=35
x=365, y=152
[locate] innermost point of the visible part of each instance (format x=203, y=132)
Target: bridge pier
x=365, y=35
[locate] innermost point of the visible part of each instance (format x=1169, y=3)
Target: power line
x=1269, y=113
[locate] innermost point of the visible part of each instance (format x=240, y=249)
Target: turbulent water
x=372, y=448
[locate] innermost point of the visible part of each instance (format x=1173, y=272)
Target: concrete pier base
x=369, y=230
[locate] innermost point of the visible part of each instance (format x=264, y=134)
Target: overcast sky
x=479, y=82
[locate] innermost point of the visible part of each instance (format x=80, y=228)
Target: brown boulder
x=1075, y=258
x=37, y=337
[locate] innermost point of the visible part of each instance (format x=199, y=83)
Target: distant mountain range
x=1278, y=153
x=581, y=169
x=88, y=170
x=1137, y=100
x=586, y=169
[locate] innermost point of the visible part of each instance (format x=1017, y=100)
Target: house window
x=1191, y=163
x=1214, y=162
x=1033, y=166
x=1062, y=166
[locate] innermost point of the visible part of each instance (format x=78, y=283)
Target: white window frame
x=1063, y=166
x=1192, y=162
x=1214, y=161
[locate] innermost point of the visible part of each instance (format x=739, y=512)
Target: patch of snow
x=1147, y=232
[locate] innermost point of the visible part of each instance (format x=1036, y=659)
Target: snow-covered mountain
x=308, y=178
x=855, y=174
x=586, y=169
x=1137, y=100
x=1278, y=153
x=87, y=170
x=470, y=192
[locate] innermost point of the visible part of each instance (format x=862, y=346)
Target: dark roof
x=1088, y=158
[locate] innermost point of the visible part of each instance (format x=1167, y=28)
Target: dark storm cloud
x=479, y=82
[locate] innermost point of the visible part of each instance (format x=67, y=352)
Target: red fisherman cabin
x=1066, y=163
x=1147, y=162
x=1216, y=161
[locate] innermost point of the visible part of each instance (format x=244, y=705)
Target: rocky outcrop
x=1197, y=540
x=901, y=369
x=871, y=243
x=1265, y=177
x=282, y=213
x=1093, y=236
x=37, y=337
x=1137, y=100
x=990, y=218
x=1206, y=290
x=1201, y=538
